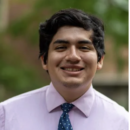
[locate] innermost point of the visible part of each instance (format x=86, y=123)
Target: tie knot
x=66, y=107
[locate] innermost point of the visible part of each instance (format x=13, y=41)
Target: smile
x=73, y=69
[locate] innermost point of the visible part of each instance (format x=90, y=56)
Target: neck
x=72, y=94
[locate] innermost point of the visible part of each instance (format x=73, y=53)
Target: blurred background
x=20, y=68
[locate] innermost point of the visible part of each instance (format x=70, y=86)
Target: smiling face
x=72, y=59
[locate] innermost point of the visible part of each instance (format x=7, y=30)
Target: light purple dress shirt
x=40, y=110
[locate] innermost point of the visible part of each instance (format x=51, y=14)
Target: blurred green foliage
x=16, y=76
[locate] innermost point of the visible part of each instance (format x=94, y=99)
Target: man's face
x=72, y=58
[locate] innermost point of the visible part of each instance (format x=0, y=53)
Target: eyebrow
x=84, y=42
x=67, y=42
x=61, y=41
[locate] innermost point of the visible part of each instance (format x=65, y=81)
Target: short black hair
x=71, y=17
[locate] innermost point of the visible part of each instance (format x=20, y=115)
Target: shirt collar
x=84, y=103
x=53, y=98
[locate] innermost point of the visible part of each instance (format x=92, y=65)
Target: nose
x=73, y=55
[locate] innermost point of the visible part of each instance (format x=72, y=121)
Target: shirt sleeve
x=2, y=117
x=125, y=122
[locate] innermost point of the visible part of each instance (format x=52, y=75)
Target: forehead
x=72, y=33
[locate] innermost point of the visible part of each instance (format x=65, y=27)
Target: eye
x=60, y=48
x=85, y=48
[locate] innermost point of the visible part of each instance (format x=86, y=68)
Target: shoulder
x=25, y=97
x=108, y=103
x=17, y=107
x=106, y=100
x=112, y=110
x=2, y=119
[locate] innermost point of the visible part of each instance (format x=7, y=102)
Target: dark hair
x=71, y=17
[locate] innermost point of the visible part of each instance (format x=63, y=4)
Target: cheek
x=90, y=59
x=55, y=59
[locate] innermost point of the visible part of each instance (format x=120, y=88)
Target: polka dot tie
x=64, y=122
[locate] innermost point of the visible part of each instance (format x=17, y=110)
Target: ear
x=100, y=63
x=43, y=64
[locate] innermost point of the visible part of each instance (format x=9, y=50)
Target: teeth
x=72, y=69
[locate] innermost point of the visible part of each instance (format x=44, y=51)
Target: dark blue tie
x=64, y=122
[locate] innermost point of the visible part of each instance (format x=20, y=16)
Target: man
x=71, y=51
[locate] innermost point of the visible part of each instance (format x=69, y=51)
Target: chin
x=72, y=84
